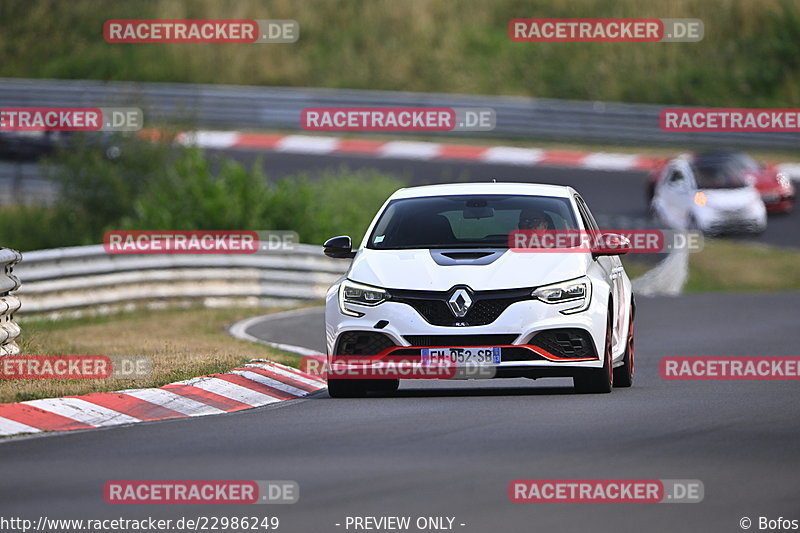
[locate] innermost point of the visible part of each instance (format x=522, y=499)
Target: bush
x=155, y=187
x=193, y=197
x=34, y=228
x=340, y=202
x=98, y=190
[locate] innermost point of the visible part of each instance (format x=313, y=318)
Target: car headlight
x=576, y=290
x=700, y=198
x=351, y=292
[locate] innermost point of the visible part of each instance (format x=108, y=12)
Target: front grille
x=486, y=307
x=566, y=342
x=461, y=340
x=362, y=343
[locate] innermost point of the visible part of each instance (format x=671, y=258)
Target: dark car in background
x=31, y=145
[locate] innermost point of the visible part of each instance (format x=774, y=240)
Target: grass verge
x=748, y=58
x=738, y=266
x=183, y=343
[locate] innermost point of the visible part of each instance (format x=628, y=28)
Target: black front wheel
x=384, y=385
x=623, y=375
x=599, y=380
x=347, y=388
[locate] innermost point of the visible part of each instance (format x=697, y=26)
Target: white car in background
x=434, y=274
x=710, y=194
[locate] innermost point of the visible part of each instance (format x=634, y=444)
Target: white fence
x=9, y=303
x=84, y=280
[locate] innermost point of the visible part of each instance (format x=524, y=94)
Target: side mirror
x=611, y=244
x=339, y=247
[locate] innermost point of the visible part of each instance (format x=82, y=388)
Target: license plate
x=473, y=355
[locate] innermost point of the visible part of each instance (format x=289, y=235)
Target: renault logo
x=459, y=302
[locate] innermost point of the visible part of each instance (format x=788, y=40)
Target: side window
x=586, y=216
x=675, y=177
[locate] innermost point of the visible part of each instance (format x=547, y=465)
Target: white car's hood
x=417, y=270
x=731, y=199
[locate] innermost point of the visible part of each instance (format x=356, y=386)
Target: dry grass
x=182, y=344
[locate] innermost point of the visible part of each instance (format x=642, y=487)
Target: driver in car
x=535, y=219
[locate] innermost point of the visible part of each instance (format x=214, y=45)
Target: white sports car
x=435, y=279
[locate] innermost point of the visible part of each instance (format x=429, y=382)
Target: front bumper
x=778, y=201
x=752, y=219
x=520, y=330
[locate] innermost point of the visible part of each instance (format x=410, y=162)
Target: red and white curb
x=431, y=151
x=418, y=150
x=255, y=384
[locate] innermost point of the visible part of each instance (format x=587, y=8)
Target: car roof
x=717, y=157
x=451, y=189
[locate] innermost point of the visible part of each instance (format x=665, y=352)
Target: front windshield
x=747, y=162
x=727, y=174
x=467, y=221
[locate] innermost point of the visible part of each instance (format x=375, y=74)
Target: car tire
x=653, y=213
x=599, y=380
x=347, y=388
x=650, y=192
x=692, y=224
x=386, y=386
x=623, y=375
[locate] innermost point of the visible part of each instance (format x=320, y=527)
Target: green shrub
x=100, y=191
x=34, y=228
x=340, y=202
x=192, y=196
x=157, y=187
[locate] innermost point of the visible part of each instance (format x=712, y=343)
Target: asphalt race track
x=451, y=449
x=617, y=193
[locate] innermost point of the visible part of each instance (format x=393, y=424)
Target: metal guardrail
x=9, y=303
x=86, y=280
x=252, y=107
